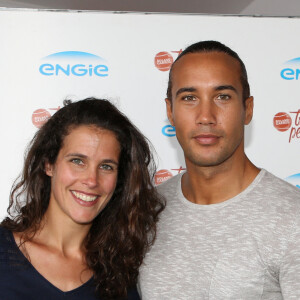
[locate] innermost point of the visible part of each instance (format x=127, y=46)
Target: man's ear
x=249, y=103
x=169, y=110
x=48, y=169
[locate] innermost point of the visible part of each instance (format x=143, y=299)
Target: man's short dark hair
x=213, y=46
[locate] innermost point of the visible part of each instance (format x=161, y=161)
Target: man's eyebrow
x=225, y=87
x=185, y=89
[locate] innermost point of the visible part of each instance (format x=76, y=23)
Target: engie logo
x=291, y=73
x=73, y=63
x=283, y=121
x=40, y=116
x=164, y=60
x=294, y=180
x=168, y=130
x=164, y=174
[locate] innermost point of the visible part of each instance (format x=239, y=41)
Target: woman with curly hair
x=83, y=212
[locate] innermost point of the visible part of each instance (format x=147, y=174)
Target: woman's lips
x=85, y=199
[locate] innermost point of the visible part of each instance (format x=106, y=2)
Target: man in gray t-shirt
x=229, y=229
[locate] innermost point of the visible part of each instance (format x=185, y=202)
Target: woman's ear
x=48, y=169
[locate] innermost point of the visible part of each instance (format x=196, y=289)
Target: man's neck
x=215, y=184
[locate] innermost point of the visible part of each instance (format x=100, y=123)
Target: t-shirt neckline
x=220, y=205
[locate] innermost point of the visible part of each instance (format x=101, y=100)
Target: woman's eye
x=106, y=167
x=77, y=161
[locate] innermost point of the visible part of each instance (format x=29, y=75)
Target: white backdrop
x=46, y=57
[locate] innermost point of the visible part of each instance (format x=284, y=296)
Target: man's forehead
x=212, y=69
x=208, y=65
x=214, y=58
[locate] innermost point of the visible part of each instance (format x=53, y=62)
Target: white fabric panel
x=118, y=60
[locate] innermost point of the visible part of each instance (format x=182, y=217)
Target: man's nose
x=206, y=112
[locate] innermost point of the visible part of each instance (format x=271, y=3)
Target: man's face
x=207, y=108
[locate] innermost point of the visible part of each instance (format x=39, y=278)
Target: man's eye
x=189, y=98
x=223, y=97
x=77, y=161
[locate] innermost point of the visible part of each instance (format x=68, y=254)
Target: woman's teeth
x=84, y=197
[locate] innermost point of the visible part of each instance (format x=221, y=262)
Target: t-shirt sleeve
x=289, y=275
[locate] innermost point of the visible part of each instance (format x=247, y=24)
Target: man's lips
x=207, y=139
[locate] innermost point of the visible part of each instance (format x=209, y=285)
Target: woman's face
x=84, y=176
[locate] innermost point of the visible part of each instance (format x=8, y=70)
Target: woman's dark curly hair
x=121, y=234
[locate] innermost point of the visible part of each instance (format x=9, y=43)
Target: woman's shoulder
x=10, y=255
x=133, y=294
x=6, y=246
x=6, y=238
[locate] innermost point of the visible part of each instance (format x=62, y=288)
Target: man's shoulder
x=274, y=192
x=171, y=185
x=276, y=186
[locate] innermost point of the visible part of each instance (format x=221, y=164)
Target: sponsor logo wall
x=73, y=63
x=40, y=116
x=294, y=179
x=291, y=71
x=126, y=58
x=164, y=174
x=163, y=60
x=288, y=122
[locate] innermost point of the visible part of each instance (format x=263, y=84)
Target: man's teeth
x=84, y=197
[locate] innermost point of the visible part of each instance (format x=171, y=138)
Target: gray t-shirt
x=247, y=247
